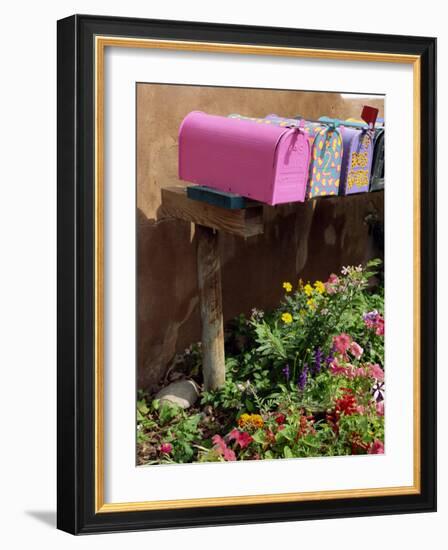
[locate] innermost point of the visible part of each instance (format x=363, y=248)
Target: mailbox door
x=357, y=162
x=325, y=166
x=291, y=170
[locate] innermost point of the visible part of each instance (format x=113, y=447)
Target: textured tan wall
x=302, y=240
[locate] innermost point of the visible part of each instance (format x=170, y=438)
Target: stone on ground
x=183, y=393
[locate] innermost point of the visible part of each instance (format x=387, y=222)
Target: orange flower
x=250, y=420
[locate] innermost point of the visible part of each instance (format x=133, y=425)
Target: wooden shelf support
x=209, y=221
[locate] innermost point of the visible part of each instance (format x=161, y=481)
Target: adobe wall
x=307, y=240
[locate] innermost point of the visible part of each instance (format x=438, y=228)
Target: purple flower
x=378, y=391
x=286, y=373
x=318, y=356
x=330, y=357
x=303, y=377
x=370, y=316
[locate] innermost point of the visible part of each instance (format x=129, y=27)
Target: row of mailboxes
x=274, y=159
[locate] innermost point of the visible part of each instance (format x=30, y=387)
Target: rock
x=183, y=393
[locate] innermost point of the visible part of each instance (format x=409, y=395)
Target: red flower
x=166, y=448
x=377, y=448
x=303, y=429
x=332, y=418
x=358, y=446
x=347, y=403
x=243, y=439
x=270, y=436
x=280, y=419
x=281, y=427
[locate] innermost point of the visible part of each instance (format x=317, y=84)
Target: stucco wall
x=302, y=240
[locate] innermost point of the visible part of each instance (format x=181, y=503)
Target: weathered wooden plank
x=210, y=298
x=244, y=222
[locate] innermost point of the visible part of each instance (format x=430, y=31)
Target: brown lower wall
x=307, y=240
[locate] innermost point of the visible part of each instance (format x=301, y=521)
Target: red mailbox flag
x=369, y=115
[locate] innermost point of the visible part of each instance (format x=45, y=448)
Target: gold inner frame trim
x=101, y=42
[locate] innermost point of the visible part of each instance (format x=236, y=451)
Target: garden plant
x=304, y=380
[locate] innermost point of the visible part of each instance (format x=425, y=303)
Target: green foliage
x=291, y=390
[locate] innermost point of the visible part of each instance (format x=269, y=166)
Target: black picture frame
x=76, y=253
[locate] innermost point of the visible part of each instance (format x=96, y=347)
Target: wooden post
x=209, y=220
x=210, y=297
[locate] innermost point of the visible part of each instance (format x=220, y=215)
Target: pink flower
x=377, y=448
x=341, y=343
x=375, y=321
x=360, y=409
x=229, y=455
x=242, y=438
x=350, y=370
x=330, y=285
x=347, y=370
x=356, y=350
x=379, y=331
x=376, y=371
x=360, y=372
x=380, y=408
x=336, y=368
x=219, y=443
x=222, y=449
x=166, y=448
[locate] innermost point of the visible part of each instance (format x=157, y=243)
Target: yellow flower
x=308, y=289
x=311, y=303
x=287, y=318
x=319, y=286
x=287, y=286
x=250, y=420
x=257, y=421
x=300, y=284
x=243, y=419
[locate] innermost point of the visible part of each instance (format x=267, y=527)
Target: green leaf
x=259, y=436
x=249, y=405
x=287, y=453
x=311, y=441
x=142, y=407
x=167, y=412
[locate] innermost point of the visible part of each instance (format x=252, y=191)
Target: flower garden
x=304, y=380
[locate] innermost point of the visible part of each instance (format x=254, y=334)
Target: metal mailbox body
x=326, y=156
x=261, y=162
x=357, y=160
x=377, y=172
x=325, y=152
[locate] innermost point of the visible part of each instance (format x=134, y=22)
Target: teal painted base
x=216, y=197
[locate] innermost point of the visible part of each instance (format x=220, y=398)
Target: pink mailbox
x=266, y=163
